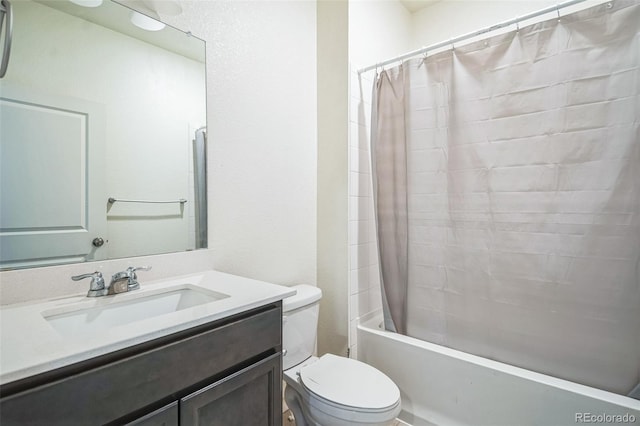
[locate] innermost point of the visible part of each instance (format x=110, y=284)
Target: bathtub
x=443, y=386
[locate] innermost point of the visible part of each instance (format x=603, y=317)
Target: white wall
x=377, y=31
x=261, y=114
x=447, y=19
x=333, y=133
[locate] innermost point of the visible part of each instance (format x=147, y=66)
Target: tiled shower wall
x=364, y=278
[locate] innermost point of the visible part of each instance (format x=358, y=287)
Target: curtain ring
x=609, y=5
x=517, y=26
x=558, y=11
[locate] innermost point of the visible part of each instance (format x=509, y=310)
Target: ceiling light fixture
x=87, y=3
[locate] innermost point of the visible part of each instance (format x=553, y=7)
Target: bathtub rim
x=373, y=323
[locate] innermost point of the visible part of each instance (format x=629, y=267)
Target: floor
x=287, y=420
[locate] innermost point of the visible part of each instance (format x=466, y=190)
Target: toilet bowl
x=330, y=390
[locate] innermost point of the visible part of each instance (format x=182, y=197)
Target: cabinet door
x=251, y=396
x=165, y=416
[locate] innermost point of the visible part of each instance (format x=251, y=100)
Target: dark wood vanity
x=226, y=372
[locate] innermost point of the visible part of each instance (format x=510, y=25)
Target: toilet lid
x=348, y=382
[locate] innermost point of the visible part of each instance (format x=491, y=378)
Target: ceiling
x=416, y=5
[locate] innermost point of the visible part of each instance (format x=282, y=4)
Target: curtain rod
x=454, y=40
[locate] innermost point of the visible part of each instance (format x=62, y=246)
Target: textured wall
x=261, y=113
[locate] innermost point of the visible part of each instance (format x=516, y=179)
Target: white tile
x=358, y=256
x=353, y=305
x=354, y=262
x=354, y=115
x=358, y=232
x=364, y=163
x=354, y=81
x=353, y=331
x=359, y=303
x=373, y=253
x=374, y=275
x=359, y=136
x=359, y=112
x=361, y=87
x=353, y=135
x=366, y=185
x=353, y=351
x=372, y=229
x=353, y=208
x=375, y=299
x=354, y=159
x=359, y=185
x=366, y=89
x=354, y=184
x=359, y=160
x=359, y=280
x=363, y=255
x=358, y=208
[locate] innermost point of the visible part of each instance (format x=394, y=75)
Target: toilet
x=330, y=390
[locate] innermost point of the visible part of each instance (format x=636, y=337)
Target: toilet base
x=307, y=415
x=293, y=402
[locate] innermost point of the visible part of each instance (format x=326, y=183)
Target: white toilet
x=330, y=390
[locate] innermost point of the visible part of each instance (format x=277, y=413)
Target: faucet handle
x=133, y=277
x=96, y=287
x=132, y=270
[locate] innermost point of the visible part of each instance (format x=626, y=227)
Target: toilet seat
x=344, y=384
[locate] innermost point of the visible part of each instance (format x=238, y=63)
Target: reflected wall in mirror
x=93, y=108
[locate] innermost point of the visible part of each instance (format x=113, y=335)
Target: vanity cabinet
x=236, y=400
x=227, y=372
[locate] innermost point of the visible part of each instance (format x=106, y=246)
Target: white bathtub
x=443, y=386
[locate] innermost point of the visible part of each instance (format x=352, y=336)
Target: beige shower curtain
x=507, y=193
x=390, y=189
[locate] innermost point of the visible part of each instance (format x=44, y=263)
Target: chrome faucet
x=97, y=287
x=126, y=280
x=121, y=282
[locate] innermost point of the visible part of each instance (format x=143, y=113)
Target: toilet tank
x=300, y=324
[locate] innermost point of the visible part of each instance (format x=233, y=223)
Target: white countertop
x=29, y=345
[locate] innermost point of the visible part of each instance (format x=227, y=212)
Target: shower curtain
x=200, y=186
x=507, y=195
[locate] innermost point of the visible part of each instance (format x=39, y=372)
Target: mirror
x=102, y=136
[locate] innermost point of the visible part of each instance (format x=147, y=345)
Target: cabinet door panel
x=250, y=397
x=165, y=416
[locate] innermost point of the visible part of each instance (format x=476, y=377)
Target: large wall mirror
x=102, y=136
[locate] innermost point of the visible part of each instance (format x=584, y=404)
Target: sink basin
x=90, y=320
